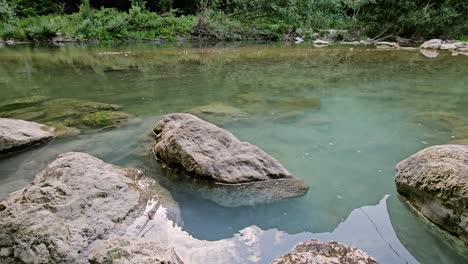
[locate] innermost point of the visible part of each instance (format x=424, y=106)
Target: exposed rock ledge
x=316, y=252
x=17, y=134
x=76, y=201
x=207, y=152
x=435, y=182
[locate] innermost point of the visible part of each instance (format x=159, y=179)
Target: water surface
x=376, y=108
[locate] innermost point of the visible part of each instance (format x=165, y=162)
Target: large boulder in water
x=208, y=152
x=18, y=134
x=76, y=201
x=316, y=252
x=435, y=182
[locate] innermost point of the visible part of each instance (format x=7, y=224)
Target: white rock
x=16, y=134
x=321, y=42
x=385, y=44
x=432, y=44
x=298, y=40
x=448, y=46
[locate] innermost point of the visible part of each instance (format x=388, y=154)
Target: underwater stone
x=18, y=134
x=69, y=116
x=211, y=153
x=217, y=109
x=435, y=182
x=316, y=252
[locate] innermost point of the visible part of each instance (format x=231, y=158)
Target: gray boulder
x=207, y=152
x=316, y=252
x=432, y=44
x=75, y=201
x=435, y=182
x=16, y=134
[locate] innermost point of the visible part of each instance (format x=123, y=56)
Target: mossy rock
x=442, y=120
x=460, y=132
x=218, y=109
x=294, y=104
x=460, y=141
x=68, y=116
x=23, y=102
x=105, y=118
x=248, y=98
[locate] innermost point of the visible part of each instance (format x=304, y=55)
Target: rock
x=218, y=113
x=442, y=120
x=298, y=40
x=69, y=116
x=320, y=42
x=460, y=132
x=385, y=44
x=75, y=201
x=23, y=102
x=435, y=182
x=432, y=44
x=131, y=251
x=211, y=153
x=429, y=53
x=462, y=49
x=460, y=141
x=293, y=104
x=217, y=109
x=18, y=134
x=355, y=43
x=316, y=252
x=248, y=98
x=448, y=46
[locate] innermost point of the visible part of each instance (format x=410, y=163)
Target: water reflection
x=368, y=228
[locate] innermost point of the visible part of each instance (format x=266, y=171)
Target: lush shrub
x=417, y=19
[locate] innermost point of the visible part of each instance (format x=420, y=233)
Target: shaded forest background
x=232, y=19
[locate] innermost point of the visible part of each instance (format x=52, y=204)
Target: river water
x=340, y=118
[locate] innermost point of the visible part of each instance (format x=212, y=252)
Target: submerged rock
x=218, y=112
x=210, y=153
x=435, y=182
x=316, y=252
x=18, y=134
x=432, y=44
x=75, y=201
x=69, y=116
x=442, y=120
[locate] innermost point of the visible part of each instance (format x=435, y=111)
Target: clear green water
x=377, y=107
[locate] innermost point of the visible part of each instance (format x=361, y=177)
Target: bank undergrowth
x=233, y=19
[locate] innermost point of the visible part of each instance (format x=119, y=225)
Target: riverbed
x=340, y=118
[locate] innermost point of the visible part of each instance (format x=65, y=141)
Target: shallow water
x=377, y=107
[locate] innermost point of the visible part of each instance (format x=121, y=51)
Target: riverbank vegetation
x=87, y=20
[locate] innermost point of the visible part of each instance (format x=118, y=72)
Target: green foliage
x=235, y=19
x=27, y=8
x=418, y=18
x=7, y=13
